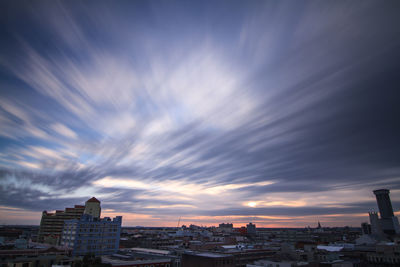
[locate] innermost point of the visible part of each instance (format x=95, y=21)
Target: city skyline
x=281, y=114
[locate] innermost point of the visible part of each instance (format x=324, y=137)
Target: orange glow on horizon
x=11, y=215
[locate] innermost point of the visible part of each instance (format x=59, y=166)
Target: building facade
x=207, y=259
x=51, y=224
x=91, y=235
x=93, y=208
x=384, y=203
x=251, y=229
x=387, y=223
x=225, y=227
x=45, y=257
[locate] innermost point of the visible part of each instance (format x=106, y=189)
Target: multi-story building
x=225, y=227
x=91, y=235
x=251, y=229
x=294, y=235
x=388, y=222
x=51, y=224
x=92, y=207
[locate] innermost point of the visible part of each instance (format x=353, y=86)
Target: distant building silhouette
x=366, y=228
x=225, y=227
x=251, y=229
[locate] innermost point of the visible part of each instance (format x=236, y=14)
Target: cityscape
x=185, y=133
x=78, y=236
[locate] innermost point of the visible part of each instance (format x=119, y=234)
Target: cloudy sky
x=282, y=113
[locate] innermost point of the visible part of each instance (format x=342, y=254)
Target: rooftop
x=149, y=250
x=111, y=261
x=93, y=199
x=212, y=255
x=330, y=248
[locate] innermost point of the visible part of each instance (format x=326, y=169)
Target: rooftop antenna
x=179, y=221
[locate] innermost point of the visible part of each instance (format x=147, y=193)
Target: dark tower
x=384, y=204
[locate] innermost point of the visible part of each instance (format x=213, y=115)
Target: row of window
x=385, y=259
x=98, y=225
x=69, y=232
x=96, y=235
x=97, y=230
x=94, y=247
x=97, y=241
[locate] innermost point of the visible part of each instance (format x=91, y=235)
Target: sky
x=280, y=113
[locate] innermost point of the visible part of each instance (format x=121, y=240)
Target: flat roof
x=105, y=259
x=212, y=255
x=230, y=246
x=150, y=250
x=330, y=248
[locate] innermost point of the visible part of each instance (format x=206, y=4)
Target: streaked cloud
x=64, y=130
x=279, y=113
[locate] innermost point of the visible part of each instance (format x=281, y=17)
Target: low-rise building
x=270, y=263
x=385, y=254
x=207, y=259
x=118, y=262
x=44, y=257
